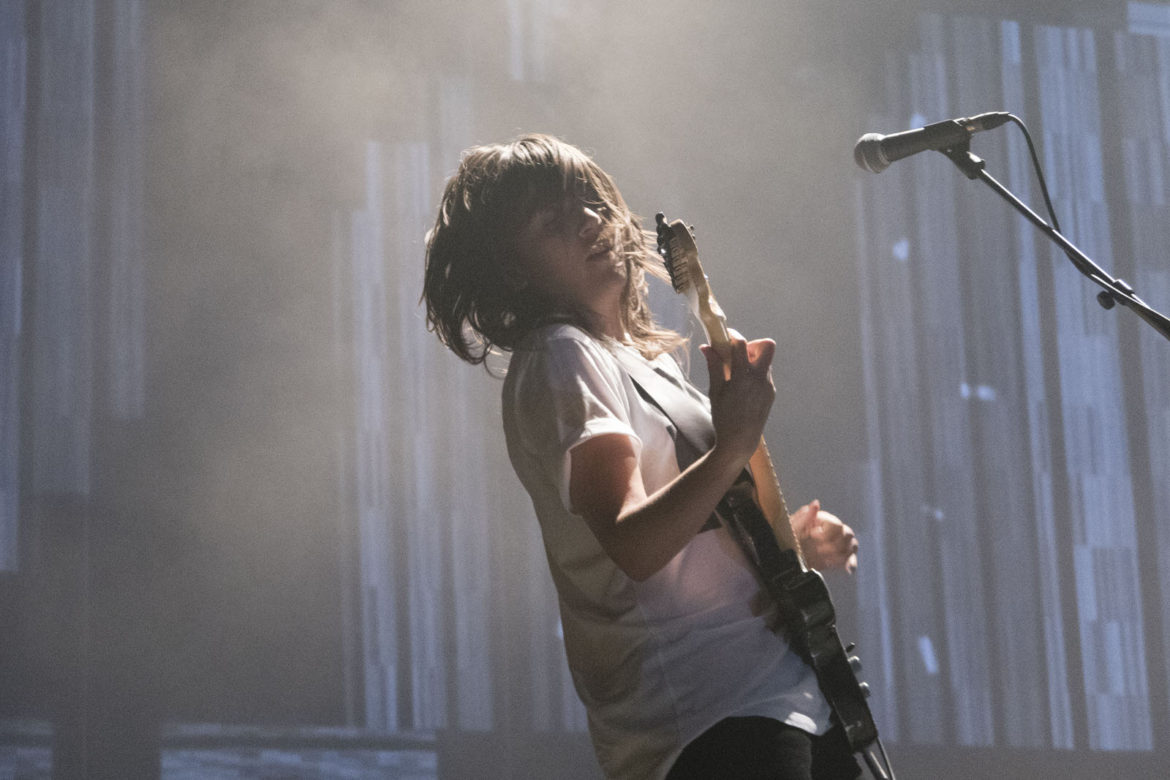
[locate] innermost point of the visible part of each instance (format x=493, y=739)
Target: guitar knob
x=855, y=664
x=864, y=688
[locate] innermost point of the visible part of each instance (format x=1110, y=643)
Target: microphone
x=874, y=152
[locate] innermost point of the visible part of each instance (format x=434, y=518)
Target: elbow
x=639, y=574
x=629, y=548
x=637, y=568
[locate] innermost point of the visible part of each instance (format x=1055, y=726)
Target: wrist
x=728, y=461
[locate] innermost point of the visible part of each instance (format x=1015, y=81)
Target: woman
x=669, y=638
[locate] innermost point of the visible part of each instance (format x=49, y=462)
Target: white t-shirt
x=658, y=662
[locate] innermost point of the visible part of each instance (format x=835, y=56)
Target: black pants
x=765, y=749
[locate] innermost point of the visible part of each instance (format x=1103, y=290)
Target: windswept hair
x=475, y=303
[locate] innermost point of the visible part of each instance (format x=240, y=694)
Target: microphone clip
x=970, y=164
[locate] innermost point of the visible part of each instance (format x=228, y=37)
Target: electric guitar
x=755, y=513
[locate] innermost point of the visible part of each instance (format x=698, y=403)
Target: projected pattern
x=1032, y=528
x=12, y=118
x=1009, y=544
x=1143, y=66
x=434, y=561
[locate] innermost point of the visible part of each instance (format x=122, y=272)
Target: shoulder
x=562, y=358
x=553, y=335
x=560, y=382
x=559, y=347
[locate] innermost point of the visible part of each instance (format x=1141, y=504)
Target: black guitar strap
x=694, y=432
x=694, y=435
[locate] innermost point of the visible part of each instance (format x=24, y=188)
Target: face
x=568, y=253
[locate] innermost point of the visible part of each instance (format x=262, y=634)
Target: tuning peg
x=864, y=688
x=855, y=664
x=849, y=648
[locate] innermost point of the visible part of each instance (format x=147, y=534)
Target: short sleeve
x=566, y=390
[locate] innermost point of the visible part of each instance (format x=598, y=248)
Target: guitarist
x=669, y=636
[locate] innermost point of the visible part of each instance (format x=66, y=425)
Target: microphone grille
x=868, y=153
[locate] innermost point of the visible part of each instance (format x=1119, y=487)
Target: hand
x=826, y=542
x=742, y=393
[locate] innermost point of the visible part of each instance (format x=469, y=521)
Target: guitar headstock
x=676, y=244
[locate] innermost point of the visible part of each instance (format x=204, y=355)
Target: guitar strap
x=693, y=434
x=692, y=431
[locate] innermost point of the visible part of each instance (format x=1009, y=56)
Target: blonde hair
x=474, y=304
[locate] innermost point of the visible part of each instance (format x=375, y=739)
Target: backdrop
x=252, y=514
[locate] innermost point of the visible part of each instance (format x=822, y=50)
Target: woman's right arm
x=641, y=533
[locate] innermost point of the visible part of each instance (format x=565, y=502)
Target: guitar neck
x=768, y=493
x=677, y=246
x=771, y=499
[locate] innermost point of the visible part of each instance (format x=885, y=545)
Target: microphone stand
x=1114, y=290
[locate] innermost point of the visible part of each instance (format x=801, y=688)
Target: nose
x=590, y=224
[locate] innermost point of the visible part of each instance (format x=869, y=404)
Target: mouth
x=600, y=251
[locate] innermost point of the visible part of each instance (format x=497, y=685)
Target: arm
x=642, y=533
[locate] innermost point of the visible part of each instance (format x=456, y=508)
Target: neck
x=610, y=324
x=606, y=323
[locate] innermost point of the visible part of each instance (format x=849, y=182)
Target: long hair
x=475, y=303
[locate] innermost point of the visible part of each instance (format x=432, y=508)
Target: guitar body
x=754, y=512
x=806, y=608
